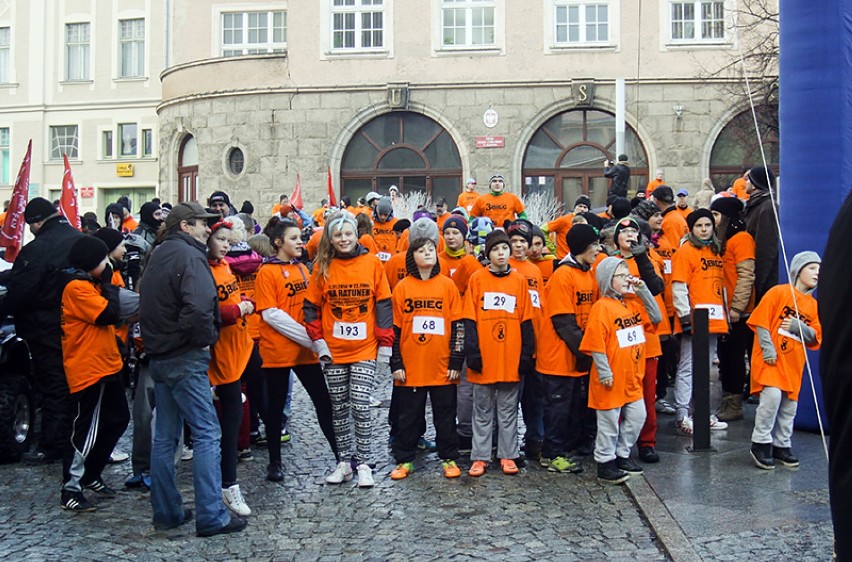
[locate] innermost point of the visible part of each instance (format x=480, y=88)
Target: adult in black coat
x=620, y=176
x=762, y=224
x=835, y=304
x=35, y=286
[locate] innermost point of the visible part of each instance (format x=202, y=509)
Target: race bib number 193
x=353, y=331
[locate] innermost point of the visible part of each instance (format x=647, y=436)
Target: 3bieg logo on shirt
x=584, y=297
x=423, y=304
x=226, y=291
x=495, y=207
x=708, y=263
x=628, y=322
x=295, y=288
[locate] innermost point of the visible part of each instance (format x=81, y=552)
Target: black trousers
x=561, y=413
x=230, y=409
x=100, y=419
x=255, y=388
x=51, y=383
x=393, y=415
x=732, y=353
x=667, y=360
x=411, y=421
x=277, y=388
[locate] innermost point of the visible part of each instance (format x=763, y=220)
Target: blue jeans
x=182, y=392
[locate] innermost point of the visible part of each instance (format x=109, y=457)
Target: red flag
x=68, y=200
x=332, y=200
x=296, y=198
x=13, y=227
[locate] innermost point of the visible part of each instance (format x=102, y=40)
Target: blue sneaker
x=138, y=481
x=424, y=444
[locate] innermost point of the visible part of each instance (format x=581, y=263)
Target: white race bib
x=384, y=256
x=535, y=298
x=791, y=335
x=715, y=311
x=353, y=331
x=499, y=301
x=433, y=325
x=667, y=267
x=630, y=336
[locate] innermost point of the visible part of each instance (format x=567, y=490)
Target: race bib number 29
x=353, y=331
x=499, y=301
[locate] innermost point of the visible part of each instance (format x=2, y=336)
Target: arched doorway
x=401, y=148
x=736, y=147
x=188, y=170
x=566, y=156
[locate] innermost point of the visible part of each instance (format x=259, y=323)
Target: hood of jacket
x=798, y=263
x=604, y=272
x=244, y=263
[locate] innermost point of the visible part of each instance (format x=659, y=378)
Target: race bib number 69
x=499, y=301
x=352, y=331
x=630, y=336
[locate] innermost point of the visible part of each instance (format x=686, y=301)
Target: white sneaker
x=343, y=473
x=117, y=456
x=186, y=455
x=365, y=476
x=233, y=499
x=684, y=426
x=716, y=424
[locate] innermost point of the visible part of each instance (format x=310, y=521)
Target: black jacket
x=761, y=224
x=620, y=175
x=36, y=281
x=179, y=308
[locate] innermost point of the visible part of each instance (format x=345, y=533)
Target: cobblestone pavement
x=533, y=516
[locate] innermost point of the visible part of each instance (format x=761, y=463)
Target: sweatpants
x=230, y=410
x=412, y=418
x=501, y=397
x=773, y=420
x=350, y=387
x=683, y=382
x=732, y=357
x=561, y=405
x=617, y=439
x=100, y=416
x=278, y=389
x=648, y=435
x=464, y=406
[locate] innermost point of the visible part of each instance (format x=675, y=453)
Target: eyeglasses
x=620, y=275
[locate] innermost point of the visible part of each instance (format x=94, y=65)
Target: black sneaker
x=274, y=473
x=75, y=501
x=235, y=525
x=628, y=465
x=761, y=453
x=187, y=517
x=785, y=457
x=610, y=473
x=648, y=455
x=37, y=457
x=101, y=489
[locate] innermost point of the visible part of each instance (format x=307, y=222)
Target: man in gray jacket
x=179, y=314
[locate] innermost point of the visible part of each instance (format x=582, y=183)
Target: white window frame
x=147, y=134
x=582, y=23
x=498, y=7
x=135, y=44
x=469, y=7
x=107, y=139
x=57, y=148
x=244, y=46
x=5, y=54
x=696, y=22
x=83, y=70
x=358, y=9
x=6, y=156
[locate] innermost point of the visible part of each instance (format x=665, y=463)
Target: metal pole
x=620, y=112
x=701, y=380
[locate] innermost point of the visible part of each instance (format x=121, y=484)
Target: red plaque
x=490, y=142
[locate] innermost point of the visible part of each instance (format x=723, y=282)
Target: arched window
x=737, y=147
x=567, y=155
x=188, y=170
x=403, y=148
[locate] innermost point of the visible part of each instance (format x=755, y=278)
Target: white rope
x=791, y=282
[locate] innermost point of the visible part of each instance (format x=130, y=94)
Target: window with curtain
x=77, y=44
x=131, y=48
x=127, y=138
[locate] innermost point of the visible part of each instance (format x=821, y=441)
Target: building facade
x=81, y=78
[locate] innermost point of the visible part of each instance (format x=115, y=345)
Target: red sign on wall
x=490, y=142
x=87, y=192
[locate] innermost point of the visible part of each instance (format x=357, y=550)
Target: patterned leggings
x=350, y=387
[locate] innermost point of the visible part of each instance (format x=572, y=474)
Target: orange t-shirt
x=395, y=270
x=367, y=241
x=466, y=200
x=535, y=285
x=613, y=326
x=739, y=248
x=569, y=291
x=652, y=336
x=282, y=286
x=739, y=188
x=232, y=351
x=703, y=273
x=129, y=224
x=247, y=288
x=319, y=216
x=364, y=210
x=313, y=243
x=665, y=254
x=440, y=220
x=459, y=269
x=89, y=352
x=684, y=212
x=385, y=238
x=674, y=228
x=652, y=185
x=347, y=303
x=121, y=331
x=559, y=228
x=498, y=208
x=776, y=305
x=545, y=265
x=424, y=311
x=498, y=305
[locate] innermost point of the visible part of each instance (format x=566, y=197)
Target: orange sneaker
x=509, y=466
x=451, y=469
x=477, y=468
x=402, y=470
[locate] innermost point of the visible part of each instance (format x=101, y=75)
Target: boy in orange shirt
x=785, y=318
x=90, y=309
x=498, y=205
x=499, y=345
x=427, y=357
x=615, y=338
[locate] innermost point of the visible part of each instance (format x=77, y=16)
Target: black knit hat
x=124, y=201
x=626, y=222
x=620, y=207
x=757, y=176
x=580, y=237
x=522, y=228
x=87, y=253
x=110, y=236
x=664, y=194
x=731, y=207
x=38, y=209
x=219, y=196
x=146, y=214
x=693, y=217
x=115, y=209
x=495, y=237
x=583, y=200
